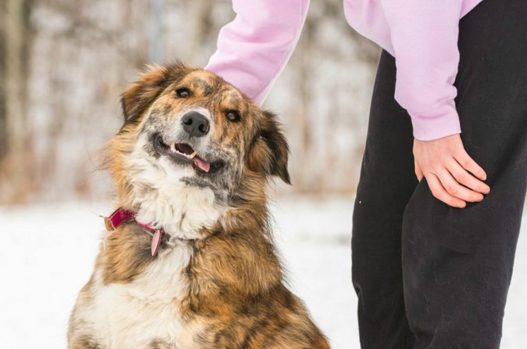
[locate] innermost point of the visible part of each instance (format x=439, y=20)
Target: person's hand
x=451, y=174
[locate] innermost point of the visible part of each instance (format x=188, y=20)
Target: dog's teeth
x=173, y=147
x=193, y=155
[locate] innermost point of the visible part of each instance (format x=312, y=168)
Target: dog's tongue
x=205, y=166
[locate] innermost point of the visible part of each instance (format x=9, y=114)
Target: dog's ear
x=142, y=93
x=270, y=150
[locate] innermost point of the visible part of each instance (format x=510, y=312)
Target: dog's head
x=188, y=128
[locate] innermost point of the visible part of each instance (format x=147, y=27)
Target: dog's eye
x=183, y=92
x=233, y=115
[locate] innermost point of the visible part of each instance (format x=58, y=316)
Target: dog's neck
x=216, y=230
x=182, y=213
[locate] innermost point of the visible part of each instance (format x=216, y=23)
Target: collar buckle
x=121, y=215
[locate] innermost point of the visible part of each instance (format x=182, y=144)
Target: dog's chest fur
x=144, y=311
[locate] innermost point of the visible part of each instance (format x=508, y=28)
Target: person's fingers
x=441, y=194
x=470, y=165
x=465, y=178
x=418, y=171
x=455, y=189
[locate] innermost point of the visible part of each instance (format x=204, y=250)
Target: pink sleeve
x=255, y=47
x=424, y=36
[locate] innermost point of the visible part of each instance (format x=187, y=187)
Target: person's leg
x=457, y=263
x=386, y=183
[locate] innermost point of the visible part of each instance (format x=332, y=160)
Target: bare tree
x=16, y=42
x=3, y=129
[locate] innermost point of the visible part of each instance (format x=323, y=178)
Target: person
x=434, y=234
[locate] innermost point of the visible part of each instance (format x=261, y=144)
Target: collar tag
x=156, y=242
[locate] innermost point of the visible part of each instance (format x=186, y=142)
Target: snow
x=48, y=253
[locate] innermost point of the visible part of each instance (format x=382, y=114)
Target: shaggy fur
x=217, y=281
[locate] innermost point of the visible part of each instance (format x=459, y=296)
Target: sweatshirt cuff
x=428, y=129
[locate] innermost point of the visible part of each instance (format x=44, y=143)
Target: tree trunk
x=15, y=73
x=3, y=130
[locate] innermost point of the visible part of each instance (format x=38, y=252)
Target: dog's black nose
x=195, y=124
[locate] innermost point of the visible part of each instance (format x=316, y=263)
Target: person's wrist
x=428, y=128
x=440, y=138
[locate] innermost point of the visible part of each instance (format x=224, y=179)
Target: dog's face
x=191, y=128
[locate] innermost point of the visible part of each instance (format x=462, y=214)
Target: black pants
x=428, y=275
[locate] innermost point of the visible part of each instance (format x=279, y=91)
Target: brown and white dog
x=192, y=160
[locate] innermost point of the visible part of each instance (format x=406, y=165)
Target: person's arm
x=254, y=48
x=424, y=36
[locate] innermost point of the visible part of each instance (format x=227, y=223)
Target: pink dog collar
x=121, y=215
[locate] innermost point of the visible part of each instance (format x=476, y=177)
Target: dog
x=189, y=260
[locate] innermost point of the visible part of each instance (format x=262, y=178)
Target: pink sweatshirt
x=421, y=34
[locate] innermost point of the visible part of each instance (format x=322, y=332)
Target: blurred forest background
x=63, y=65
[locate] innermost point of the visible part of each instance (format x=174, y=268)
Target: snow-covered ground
x=47, y=255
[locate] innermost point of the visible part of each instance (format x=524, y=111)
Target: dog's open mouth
x=181, y=151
